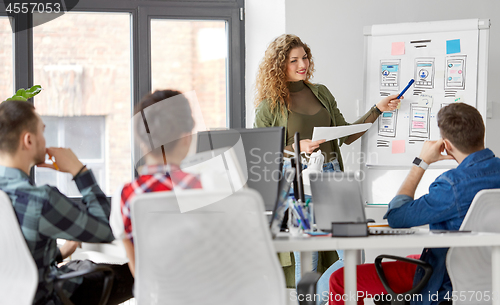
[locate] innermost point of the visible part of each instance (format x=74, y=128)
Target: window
x=191, y=55
x=85, y=136
x=97, y=61
x=6, y=59
x=86, y=101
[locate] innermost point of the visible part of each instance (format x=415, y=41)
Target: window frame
x=141, y=13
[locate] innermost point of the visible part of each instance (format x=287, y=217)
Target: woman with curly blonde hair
x=272, y=80
x=286, y=97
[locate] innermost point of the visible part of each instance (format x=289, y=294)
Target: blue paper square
x=453, y=46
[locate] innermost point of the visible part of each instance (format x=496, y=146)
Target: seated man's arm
x=130, y=250
x=431, y=152
x=68, y=248
x=86, y=222
x=438, y=205
x=404, y=211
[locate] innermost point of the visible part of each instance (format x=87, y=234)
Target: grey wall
x=334, y=31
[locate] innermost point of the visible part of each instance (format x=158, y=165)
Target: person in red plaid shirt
x=161, y=117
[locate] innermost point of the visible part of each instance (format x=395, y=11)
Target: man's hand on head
x=432, y=152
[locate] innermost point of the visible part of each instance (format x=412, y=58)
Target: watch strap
x=420, y=163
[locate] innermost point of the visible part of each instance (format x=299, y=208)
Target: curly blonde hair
x=271, y=82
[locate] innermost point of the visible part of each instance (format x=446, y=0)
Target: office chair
x=18, y=271
x=220, y=253
x=380, y=271
x=470, y=268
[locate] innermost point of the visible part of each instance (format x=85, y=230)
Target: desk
x=424, y=239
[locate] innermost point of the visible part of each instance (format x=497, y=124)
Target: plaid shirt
x=152, y=179
x=44, y=214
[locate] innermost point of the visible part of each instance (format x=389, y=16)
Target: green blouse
x=305, y=113
x=265, y=118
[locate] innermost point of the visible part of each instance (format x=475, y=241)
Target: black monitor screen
x=263, y=149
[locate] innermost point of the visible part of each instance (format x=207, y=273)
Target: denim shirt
x=444, y=207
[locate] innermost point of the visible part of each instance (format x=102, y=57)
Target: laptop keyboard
x=390, y=231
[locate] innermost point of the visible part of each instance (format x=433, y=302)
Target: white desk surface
x=422, y=238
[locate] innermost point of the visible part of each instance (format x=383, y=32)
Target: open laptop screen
x=336, y=198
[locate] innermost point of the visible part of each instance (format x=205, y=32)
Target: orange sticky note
x=398, y=48
x=398, y=147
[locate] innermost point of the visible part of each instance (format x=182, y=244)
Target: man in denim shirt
x=444, y=207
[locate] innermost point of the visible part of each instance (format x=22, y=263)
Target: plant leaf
x=24, y=95
x=17, y=98
x=33, y=90
x=20, y=92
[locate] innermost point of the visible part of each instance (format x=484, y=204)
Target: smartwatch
x=420, y=163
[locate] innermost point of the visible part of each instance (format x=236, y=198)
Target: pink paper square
x=398, y=147
x=418, y=125
x=398, y=48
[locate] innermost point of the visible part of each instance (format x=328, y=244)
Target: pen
x=305, y=222
x=406, y=88
x=297, y=217
x=53, y=162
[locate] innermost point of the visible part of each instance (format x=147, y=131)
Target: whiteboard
x=448, y=61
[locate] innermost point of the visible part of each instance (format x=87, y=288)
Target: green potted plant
x=24, y=95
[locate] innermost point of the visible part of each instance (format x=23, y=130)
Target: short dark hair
x=463, y=125
x=16, y=117
x=173, y=120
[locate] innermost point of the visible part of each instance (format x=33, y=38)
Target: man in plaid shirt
x=44, y=214
x=169, y=115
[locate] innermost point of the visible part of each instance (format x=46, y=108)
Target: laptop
x=336, y=197
x=281, y=202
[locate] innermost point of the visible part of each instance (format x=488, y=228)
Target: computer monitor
x=298, y=182
x=263, y=155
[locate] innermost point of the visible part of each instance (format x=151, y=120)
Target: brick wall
x=6, y=59
x=82, y=61
x=178, y=63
